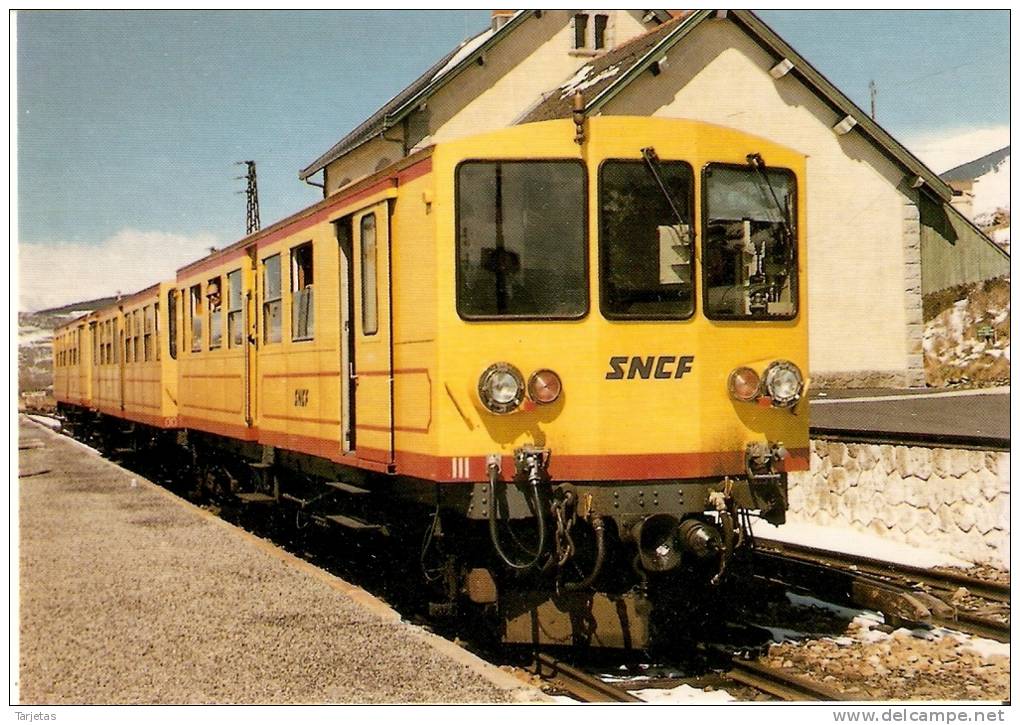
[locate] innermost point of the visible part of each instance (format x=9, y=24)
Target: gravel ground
x=129, y=595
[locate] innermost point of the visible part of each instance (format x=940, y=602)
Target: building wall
x=857, y=217
x=951, y=499
x=953, y=252
x=535, y=58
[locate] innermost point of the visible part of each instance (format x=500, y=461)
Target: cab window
x=750, y=251
x=521, y=240
x=646, y=241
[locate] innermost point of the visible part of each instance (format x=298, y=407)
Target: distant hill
x=981, y=192
x=35, y=337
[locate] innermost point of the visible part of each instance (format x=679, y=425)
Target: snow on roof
x=466, y=48
x=580, y=81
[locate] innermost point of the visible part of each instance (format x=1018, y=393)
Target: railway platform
x=968, y=418
x=129, y=594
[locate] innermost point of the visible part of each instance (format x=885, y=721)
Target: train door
x=345, y=245
x=119, y=356
x=251, y=336
x=372, y=363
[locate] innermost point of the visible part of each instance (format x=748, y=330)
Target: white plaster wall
x=857, y=311
x=535, y=59
x=363, y=161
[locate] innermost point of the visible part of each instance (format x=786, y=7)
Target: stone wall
x=950, y=499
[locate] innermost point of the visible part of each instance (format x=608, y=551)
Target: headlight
x=544, y=387
x=744, y=385
x=783, y=383
x=501, y=388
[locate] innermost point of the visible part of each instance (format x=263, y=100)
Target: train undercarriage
x=533, y=560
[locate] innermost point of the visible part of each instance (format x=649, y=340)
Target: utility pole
x=253, y=196
x=873, y=89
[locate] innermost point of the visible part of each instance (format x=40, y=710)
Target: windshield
x=521, y=239
x=645, y=249
x=750, y=254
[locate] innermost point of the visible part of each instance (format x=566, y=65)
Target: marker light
x=784, y=383
x=544, y=387
x=744, y=385
x=501, y=388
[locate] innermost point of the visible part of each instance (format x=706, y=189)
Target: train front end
x=629, y=345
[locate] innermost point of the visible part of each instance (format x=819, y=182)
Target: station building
x=881, y=229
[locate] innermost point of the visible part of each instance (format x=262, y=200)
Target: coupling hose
x=534, y=479
x=600, y=556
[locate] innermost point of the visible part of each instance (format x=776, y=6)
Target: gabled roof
x=446, y=69
x=629, y=61
x=978, y=167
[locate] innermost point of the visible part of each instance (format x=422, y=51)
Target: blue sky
x=129, y=122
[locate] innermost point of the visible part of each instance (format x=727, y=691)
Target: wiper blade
x=758, y=164
x=655, y=167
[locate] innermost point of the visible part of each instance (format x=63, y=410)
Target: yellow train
x=577, y=351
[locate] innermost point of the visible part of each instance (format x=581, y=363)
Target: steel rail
x=976, y=625
x=945, y=580
x=581, y=685
x=784, y=685
x=904, y=438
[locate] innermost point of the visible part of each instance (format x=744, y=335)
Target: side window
x=137, y=327
x=369, y=292
x=171, y=314
x=115, y=342
x=601, y=23
x=213, y=294
x=580, y=31
x=302, y=324
x=235, y=318
x=196, y=318
x=272, y=305
x=155, y=325
x=148, y=333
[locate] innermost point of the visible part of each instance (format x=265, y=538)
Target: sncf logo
x=663, y=367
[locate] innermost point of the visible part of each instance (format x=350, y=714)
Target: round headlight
x=544, y=387
x=744, y=385
x=501, y=388
x=783, y=383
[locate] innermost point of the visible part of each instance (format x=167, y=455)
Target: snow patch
x=466, y=49
x=851, y=541
x=580, y=81
x=683, y=694
x=991, y=193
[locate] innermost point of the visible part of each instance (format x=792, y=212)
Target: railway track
x=581, y=685
x=780, y=684
x=889, y=586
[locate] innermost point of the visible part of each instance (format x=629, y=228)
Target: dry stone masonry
x=951, y=499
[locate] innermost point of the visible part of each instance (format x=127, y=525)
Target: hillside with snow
x=982, y=186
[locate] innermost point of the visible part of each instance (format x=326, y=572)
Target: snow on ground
x=51, y=423
x=970, y=340
x=1001, y=237
x=684, y=694
x=851, y=541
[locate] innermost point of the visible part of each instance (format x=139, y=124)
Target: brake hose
x=534, y=479
x=600, y=557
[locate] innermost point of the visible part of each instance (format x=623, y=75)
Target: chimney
x=500, y=18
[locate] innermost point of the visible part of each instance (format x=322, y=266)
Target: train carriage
x=577, y=350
